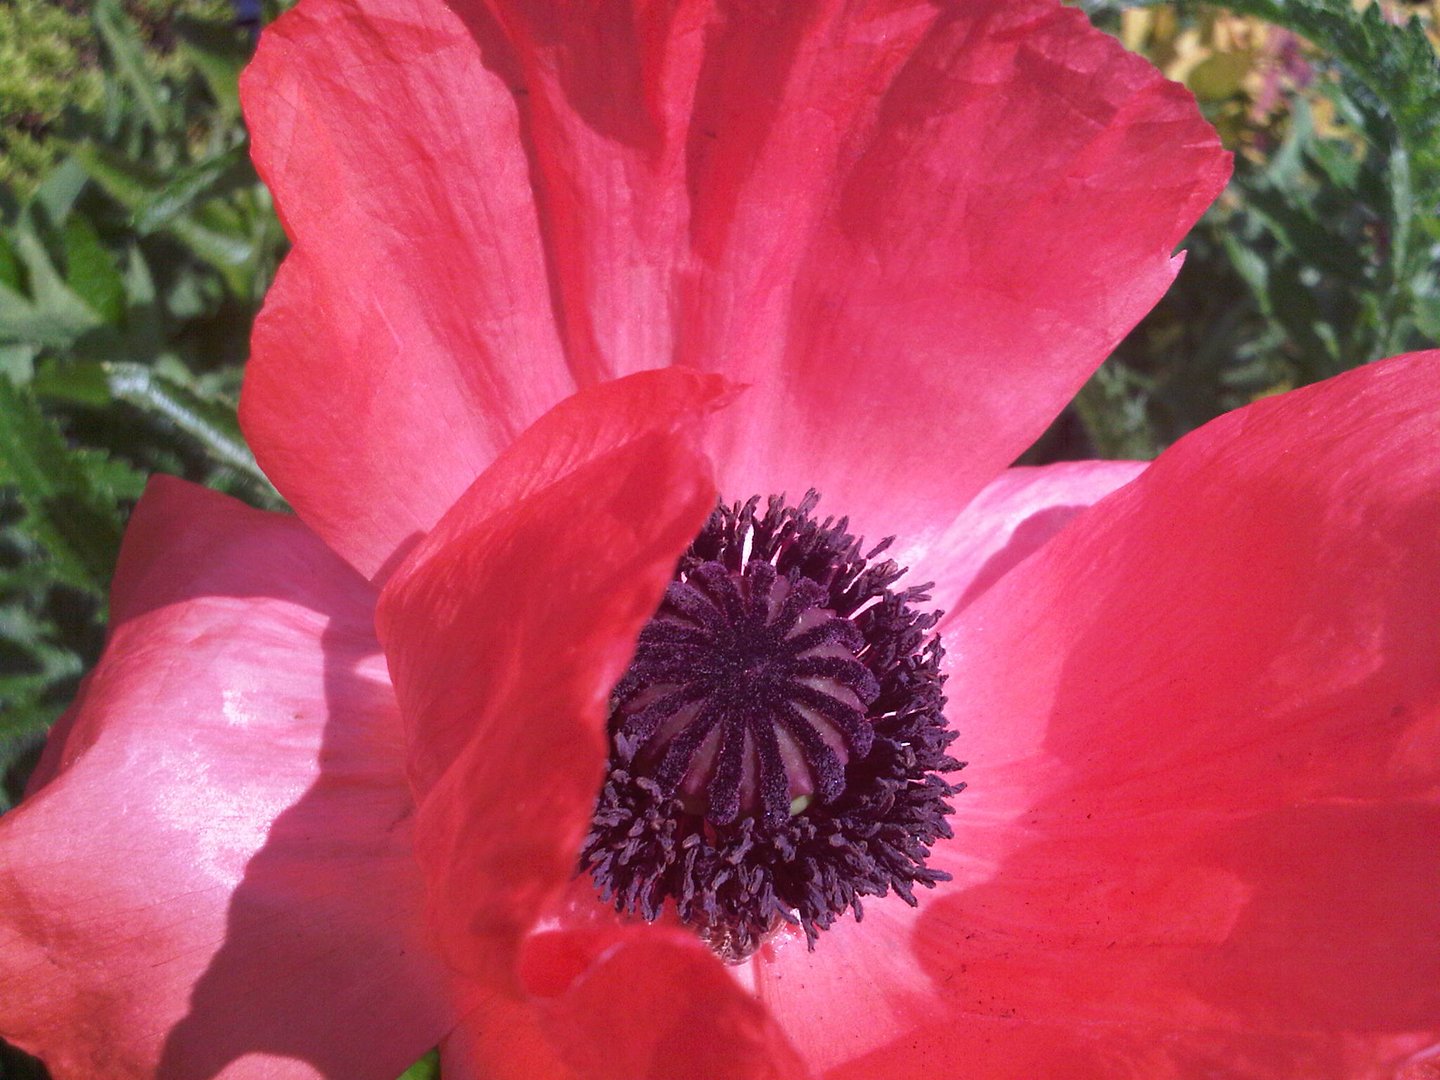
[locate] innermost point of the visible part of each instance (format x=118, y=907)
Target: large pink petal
x=623, y=420
x=505, y=631
x=1013, y=517
x=604, y=1000
x=1203, y=726
x=657, y=1005
x=218, y=875
x=409, y=335
x=914, y=228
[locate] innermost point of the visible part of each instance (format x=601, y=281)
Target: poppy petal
x=1012, y=518
x=657, y=1005
x=498, y=1035
x=217, y=875
x=507, y=629
x=906, y=224
x=409, y=335
x=612, y=1002
x=1202, y=725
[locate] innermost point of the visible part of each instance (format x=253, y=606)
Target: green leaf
x=52, y=314
x=83, y=383
x=127, y=54
x=58, y=192
x=427, y=1068
x=170, y=398
x=71, y=499
x=218, y=53
x=1294, y=223
x=210, y=423
x=32, y=664
x=178, y=206
x=130, y=183
x=11, y=274
x=188, y=186
x=17, y=362
x=90, y=272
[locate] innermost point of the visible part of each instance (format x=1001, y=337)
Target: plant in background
x=130, y=270
x=1325, y=251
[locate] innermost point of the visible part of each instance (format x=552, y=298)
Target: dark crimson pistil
x=778, y=742
x=745, y=694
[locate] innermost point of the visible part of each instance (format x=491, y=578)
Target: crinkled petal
x=217, y=874
x=1203, y=727
x=505, y=631
x=623, y=421
x=1011, y=519
x=505, y=634
x=601, y=1000
x=409, y=336
x=906, y=224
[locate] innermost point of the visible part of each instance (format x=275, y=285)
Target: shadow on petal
x=325, y=959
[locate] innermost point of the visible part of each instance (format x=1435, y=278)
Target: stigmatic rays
x=778, y=748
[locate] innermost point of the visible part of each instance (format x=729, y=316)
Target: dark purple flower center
x=778, y=743
x=745, y=694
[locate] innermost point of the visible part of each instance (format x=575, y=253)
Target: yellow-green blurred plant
x=1323, y=252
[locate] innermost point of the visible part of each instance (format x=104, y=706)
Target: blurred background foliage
x=136, y=244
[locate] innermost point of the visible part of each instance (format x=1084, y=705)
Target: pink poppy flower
x=321, y=805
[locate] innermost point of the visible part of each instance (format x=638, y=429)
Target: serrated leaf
x=90, y=272
x=210, y=423
x=128, y=182
x=52, y=314
x=83, y=383
x=31, y=663
x=186, y=187
x=127, y=55
x=71, y=501
x=156, y=206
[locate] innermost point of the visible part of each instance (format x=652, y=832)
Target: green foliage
x=1396, y=64
x=427, y=1068
x=70, y=501
x=130, y=271
x=50, y=68
x=42, y=70
x=1321, y=256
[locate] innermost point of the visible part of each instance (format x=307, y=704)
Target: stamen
x=778, y=743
